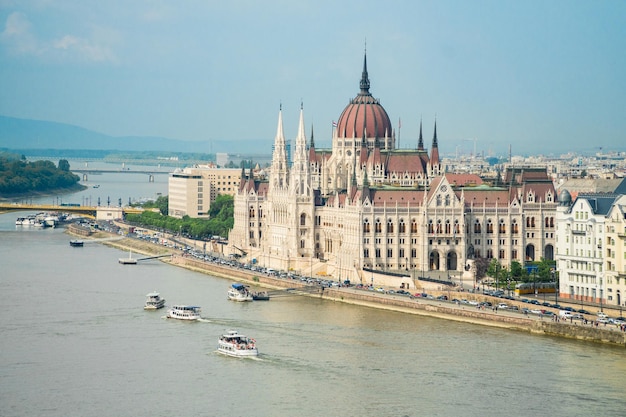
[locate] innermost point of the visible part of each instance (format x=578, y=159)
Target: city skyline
x=541, y=77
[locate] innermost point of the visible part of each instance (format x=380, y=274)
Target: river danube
x=76, y=342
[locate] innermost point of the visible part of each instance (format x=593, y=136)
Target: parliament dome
x=364, y=116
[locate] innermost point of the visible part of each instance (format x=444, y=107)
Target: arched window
x=447, y=200
x=389, y=226
x=448, y=230
x=438, y=200
x=366, y=226
x=489, y=226
x=477, y=228
x=413, y=226
x=303, y=219
x=502, y=227
x=439, y=226
x=430, y=226
x=378, y=226
x=251, y=212
x=402, y=226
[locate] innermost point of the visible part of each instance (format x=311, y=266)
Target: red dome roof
x=364, y=116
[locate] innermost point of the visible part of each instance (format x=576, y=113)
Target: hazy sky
x=544, y=76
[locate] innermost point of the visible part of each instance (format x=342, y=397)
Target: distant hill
x=29, y=134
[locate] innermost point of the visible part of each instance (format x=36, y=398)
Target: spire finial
x=365, y=82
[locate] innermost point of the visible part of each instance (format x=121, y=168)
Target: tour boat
x=235, y=344
x=182, y=312
x=154, y=301
x=239, y=292
x=76, y=243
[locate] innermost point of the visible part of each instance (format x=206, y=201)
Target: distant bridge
x=90, y=211
x=85, y=172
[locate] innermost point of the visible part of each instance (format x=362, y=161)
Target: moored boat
x=183, y=312
x=154, y=301
x=234, y=344
x=128, y=261
x=239, y=292
x=76, y=243
x=261, y=296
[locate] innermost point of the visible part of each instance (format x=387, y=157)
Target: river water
x=76, y=341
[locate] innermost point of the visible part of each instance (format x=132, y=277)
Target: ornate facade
x=368, y=212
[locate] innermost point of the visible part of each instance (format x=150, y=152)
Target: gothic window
x=438, y=200
x=502, y=227
x=366, y=253
x=430, y=226
x=366, y=226
x=303, y=219
x=251, y=212
x=389, y=226
x=489, y=226
x=447, y=200
x=402, y=226
x=514, y=227
x=439, y=226
x=379, y=227
x=448, y=227
x=477, y=228
x=413, y=226
x=456, y=227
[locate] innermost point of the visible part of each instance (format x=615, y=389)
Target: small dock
x=133, y=261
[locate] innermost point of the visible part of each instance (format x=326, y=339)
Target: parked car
x=583, y=311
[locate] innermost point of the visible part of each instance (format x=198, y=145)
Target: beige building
x=192, y=190
x=368, y=212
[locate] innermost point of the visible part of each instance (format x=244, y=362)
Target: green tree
x=64, y=165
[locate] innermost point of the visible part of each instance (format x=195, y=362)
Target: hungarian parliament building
x=367, y=211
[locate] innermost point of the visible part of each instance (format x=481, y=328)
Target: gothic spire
x=312, y=145
x=420, y=143
x=365, y=82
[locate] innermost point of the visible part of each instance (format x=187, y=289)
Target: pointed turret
x=420, y=142
x=300, y=177
x=280, y=168
x=434, y=152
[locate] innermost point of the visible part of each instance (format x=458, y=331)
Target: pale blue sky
x=544, y=76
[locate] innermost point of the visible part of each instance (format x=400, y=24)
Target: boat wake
x=248, y=358
x=204, y=320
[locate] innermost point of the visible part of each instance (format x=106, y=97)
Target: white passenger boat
x=235, y=344
x=154, y=301
x=181, y=312
x=239, y=292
